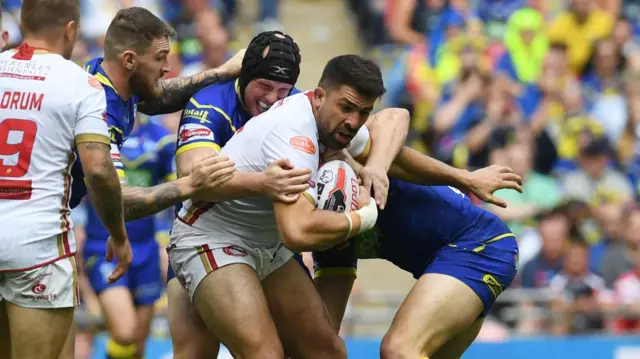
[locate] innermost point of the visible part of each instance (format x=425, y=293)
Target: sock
x=119, y=351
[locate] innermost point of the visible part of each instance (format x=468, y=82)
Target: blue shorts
x=144, y=278
x=170, y=273
x=488, y=267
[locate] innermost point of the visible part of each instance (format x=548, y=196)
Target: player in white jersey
x=247, y=306
x=48, y=107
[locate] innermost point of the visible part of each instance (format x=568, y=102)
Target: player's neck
x=118, y=78
x=44, y=44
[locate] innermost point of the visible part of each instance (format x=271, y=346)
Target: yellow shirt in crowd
x=578, y=37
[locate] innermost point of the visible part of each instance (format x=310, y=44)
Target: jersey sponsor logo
x=200, y=115
x=235, y=251
x=191, y=132
x=493, y=284
x=303, y=143
x=38, y=288
x=93, y=82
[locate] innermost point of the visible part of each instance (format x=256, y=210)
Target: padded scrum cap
x=281, y=62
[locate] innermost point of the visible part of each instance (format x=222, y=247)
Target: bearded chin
x=140, y=87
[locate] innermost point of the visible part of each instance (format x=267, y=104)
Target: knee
x=395, y=346
x=124, y=335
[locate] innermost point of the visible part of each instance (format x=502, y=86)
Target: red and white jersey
x=47, y=105
x=288, y=130
x=627, y=292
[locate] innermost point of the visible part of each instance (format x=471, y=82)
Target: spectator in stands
x=578, y=292
x=577, y=27
x=618, y=258
x=554, y=230
x=627, y=295
x=494, y=15
x=526, y=46
x=538, y=269
x=214, y=40
x=595, y=179
x=608, y=217
x=540, y=192
x=602, y=89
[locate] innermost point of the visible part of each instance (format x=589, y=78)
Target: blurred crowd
x=552, y=89
x=548, y=87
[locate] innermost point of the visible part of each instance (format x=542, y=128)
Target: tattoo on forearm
x=173, y=94
x=104, y=188
x=141, y=202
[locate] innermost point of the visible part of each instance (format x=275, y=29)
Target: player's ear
x=319, y=95
x=71, y=30
x=129, y=60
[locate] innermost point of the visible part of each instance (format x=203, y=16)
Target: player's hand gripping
x=485, y=181
x=375, y=177
x=211, y=172
x=284, y=183
x=121, y=250
x=233, y=66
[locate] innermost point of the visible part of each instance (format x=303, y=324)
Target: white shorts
x=54, y=285
x=192, y=263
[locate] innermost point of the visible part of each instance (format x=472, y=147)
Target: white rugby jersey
x=287, y=130
x=47, y=104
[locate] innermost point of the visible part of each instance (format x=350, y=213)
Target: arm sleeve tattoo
x=173, y=94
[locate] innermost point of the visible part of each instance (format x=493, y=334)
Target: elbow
x=294, y=241
x=101, y=176
x=402, y=117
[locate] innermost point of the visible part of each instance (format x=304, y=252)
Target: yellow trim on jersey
x=105, y=81
x=308, y=196
x=205, y=261
x=337, y=271
x=74, y=266
x=121, y=174
x=494, y=239
x=170, y=177
x=117, y=129
x=91, y=137
x=365, y=152
x=217, y=109
x=192, y=146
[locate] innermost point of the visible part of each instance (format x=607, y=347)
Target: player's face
x=260, y=94
x=150, y=67
x=340, y=115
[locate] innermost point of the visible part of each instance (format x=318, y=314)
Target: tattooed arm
x=206, y=174
x=103, y=186
x=173, y=94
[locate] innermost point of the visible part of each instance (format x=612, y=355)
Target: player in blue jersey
x=127, y=305
x=462, y=255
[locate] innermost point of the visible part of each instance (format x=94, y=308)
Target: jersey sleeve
x=295, y=144
x=116, y=134
x=360, y=144
x=91, y=124
x=205, y=126
x=339, y=260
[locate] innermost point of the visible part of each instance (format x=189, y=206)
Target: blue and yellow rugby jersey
x=433, y=229
x=212, y=116
x=121, y=116
x=148, y=157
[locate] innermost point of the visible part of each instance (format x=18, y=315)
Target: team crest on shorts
x=235, y=251
x=492, y=283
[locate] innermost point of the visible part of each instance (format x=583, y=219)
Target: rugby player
x=242, y=280
x=208, y=121
x=48, y=107
x=464, y=251
x=127, y=305
x=135, y=58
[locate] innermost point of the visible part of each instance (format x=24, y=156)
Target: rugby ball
x=338, y=188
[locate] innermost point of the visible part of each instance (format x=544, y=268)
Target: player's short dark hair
x=38, y=16
x=134, y=28
x=363, y=75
